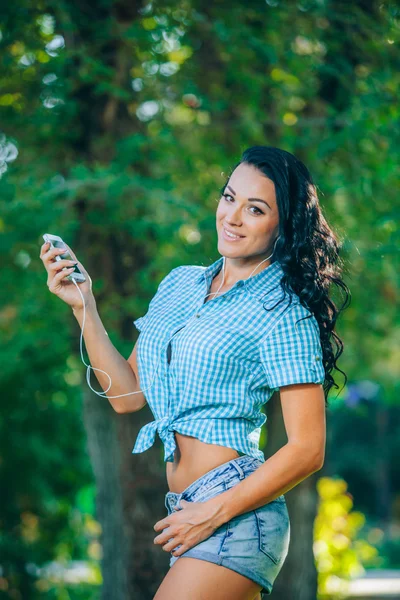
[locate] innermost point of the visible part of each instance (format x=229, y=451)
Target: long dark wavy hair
x=306, y=248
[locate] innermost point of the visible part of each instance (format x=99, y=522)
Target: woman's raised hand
x=63, y=288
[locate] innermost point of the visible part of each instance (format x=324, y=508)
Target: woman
x=214, y=345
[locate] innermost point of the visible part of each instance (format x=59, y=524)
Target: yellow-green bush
x=339, y=552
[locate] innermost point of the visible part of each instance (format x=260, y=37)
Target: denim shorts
x=254, y=544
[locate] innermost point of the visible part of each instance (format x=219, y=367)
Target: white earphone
x=104, y=394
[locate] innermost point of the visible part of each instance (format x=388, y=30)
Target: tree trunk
x=129, y=489
x=101, y=427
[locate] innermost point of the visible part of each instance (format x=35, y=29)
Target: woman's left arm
x=303, y=410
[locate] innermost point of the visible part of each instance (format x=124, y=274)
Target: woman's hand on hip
x=185, y=527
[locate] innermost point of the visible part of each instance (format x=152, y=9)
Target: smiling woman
x=214, y=345
x=248, y=214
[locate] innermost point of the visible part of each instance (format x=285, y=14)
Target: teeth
x=231, y=235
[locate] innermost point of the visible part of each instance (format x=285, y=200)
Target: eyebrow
x=250, y=199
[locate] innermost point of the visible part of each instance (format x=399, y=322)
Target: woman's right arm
x=102, y=353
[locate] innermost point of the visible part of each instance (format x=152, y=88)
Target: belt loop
x=238, y=468
x=172, y=501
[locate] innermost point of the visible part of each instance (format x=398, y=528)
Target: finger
x=161, y=524
x=53, y=282
x=52, y=253
x=60, y=264
x=43, y=249
x=179, y=550
x=171, y=545
x=168, y=533
x=57, y=251
x=163, y=538
x=63, y=273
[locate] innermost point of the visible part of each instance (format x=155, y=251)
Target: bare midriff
x=193, y=459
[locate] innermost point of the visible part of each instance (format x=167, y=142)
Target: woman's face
x=255, y=221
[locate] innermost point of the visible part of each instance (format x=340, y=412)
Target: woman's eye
x=259, y=212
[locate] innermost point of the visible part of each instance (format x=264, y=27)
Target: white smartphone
x=57, y=242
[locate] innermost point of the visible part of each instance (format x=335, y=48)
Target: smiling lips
x=230, y=237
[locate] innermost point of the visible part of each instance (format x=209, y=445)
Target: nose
x=233, y=215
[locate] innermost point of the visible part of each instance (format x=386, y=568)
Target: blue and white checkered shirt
x=226, y=357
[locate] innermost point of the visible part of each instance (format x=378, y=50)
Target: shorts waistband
x=240, y=465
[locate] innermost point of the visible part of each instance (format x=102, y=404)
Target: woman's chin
x=226, y=250
x=230, y=249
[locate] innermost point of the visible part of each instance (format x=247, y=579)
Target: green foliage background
x=119, y=122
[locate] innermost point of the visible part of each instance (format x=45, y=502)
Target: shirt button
x=197, y=315
x=317, y=358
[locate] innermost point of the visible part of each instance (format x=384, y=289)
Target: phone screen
x=64, y=255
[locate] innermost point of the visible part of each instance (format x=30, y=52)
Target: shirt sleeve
x=159, y=297
x=292, y=352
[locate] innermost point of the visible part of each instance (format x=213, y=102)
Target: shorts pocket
x=273, y=529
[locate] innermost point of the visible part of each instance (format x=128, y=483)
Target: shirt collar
x=260, y=284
